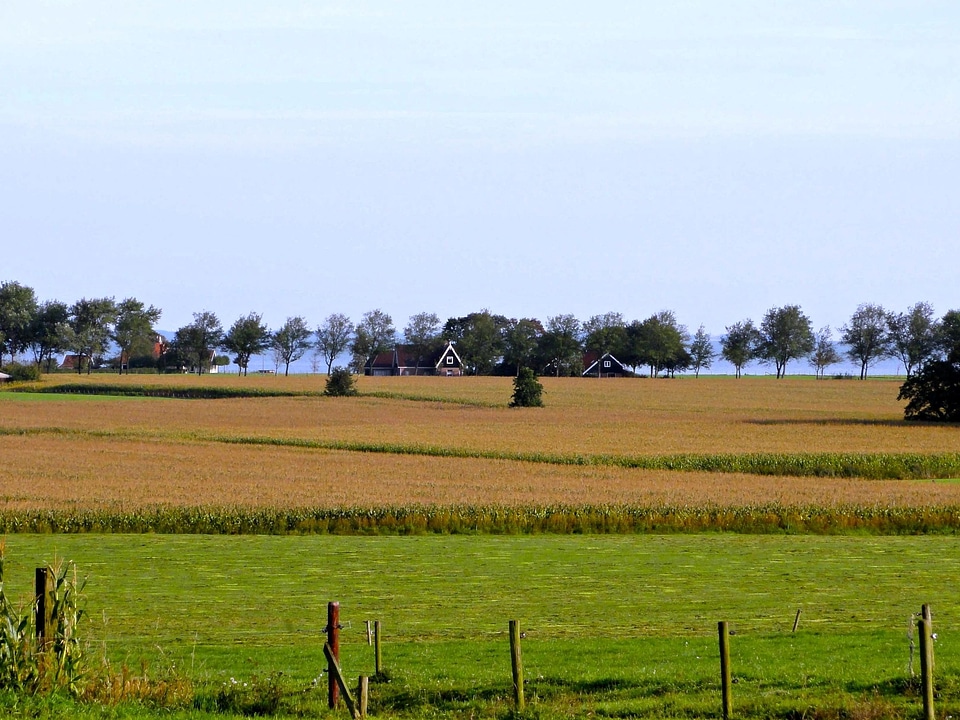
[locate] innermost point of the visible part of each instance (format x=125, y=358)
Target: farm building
x=70, y=362
x=403, y=360
x=606, y=365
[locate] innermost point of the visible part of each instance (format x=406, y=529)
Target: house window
x=606, y=363
x=449, y=359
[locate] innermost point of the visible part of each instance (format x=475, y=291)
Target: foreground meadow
x=616, y=626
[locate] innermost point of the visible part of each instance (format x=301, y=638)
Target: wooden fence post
x=516, y=660
x=338, y=678
x=926, y=667
x=725, y=669
x=363, y=695
x=369, y=634
x=927, y=612
x=44, y=600
x=796, y=620
x=378, y=656
x=333, y=641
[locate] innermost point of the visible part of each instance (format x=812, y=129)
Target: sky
x=304, y=158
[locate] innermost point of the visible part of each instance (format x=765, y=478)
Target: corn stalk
x=24, y=665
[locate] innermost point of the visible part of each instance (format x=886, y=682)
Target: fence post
x=363, y=695
x=725, y=669
x=333, y=640
x=516, y=660
x=378, y=656
x=927, y=612
x=44, y=600
x=796, y=620
x=337, y=675
x=926, y=667
x=369, y=634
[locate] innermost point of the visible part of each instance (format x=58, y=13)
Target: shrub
x=527, y=390
x=340, y=383
x=20, y=372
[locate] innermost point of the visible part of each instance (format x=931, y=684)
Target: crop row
x=224, y=393
x=493, y=520
x=875, y=466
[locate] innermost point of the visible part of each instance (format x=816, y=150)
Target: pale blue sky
x=534, y=158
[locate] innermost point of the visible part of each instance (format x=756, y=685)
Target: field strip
x=230, y=393
x=902, y=466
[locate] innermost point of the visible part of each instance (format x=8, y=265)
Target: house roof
x=382, y=360
x=448, y=350
x=405, y=356
x=596, y=359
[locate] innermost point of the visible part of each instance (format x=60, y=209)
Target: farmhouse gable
x=606, y=365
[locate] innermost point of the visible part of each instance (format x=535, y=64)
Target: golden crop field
x=124, y=453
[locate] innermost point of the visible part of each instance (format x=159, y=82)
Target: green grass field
x=617, y=626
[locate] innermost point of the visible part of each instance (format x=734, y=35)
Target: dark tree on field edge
x=933, y=393
x=340, y=383
x=527, y=390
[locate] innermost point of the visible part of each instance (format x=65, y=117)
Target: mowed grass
x=616, y=625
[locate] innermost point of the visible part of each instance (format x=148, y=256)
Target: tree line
x=487, y=343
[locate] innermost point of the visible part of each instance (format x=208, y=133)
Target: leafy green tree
x=49, y=332
x=785, y=334
x=824, y=353
x=340, y=383
x=738, y=347
x=91, y=323
x=133, y=331
x=197, y=342
x=520, y=340
x=867, y=336
x=333, y=337
x=18, y=308
x=701, y=351
x=948, y=333
x=527, y=390
x=373, y=335
x=248, y=336
x=933, y=393
x=422, y=333
x=913, y=335
x=658, y=342
x=292, y=341
x=562, y=345
x=479, y=340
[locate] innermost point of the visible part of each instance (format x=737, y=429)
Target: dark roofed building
x=403, y=360
x=606, y=365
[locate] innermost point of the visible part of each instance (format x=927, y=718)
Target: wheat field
x=78, y=452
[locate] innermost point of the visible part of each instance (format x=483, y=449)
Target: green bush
x=340, y=383
x=20, y=372
x=527, y=390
